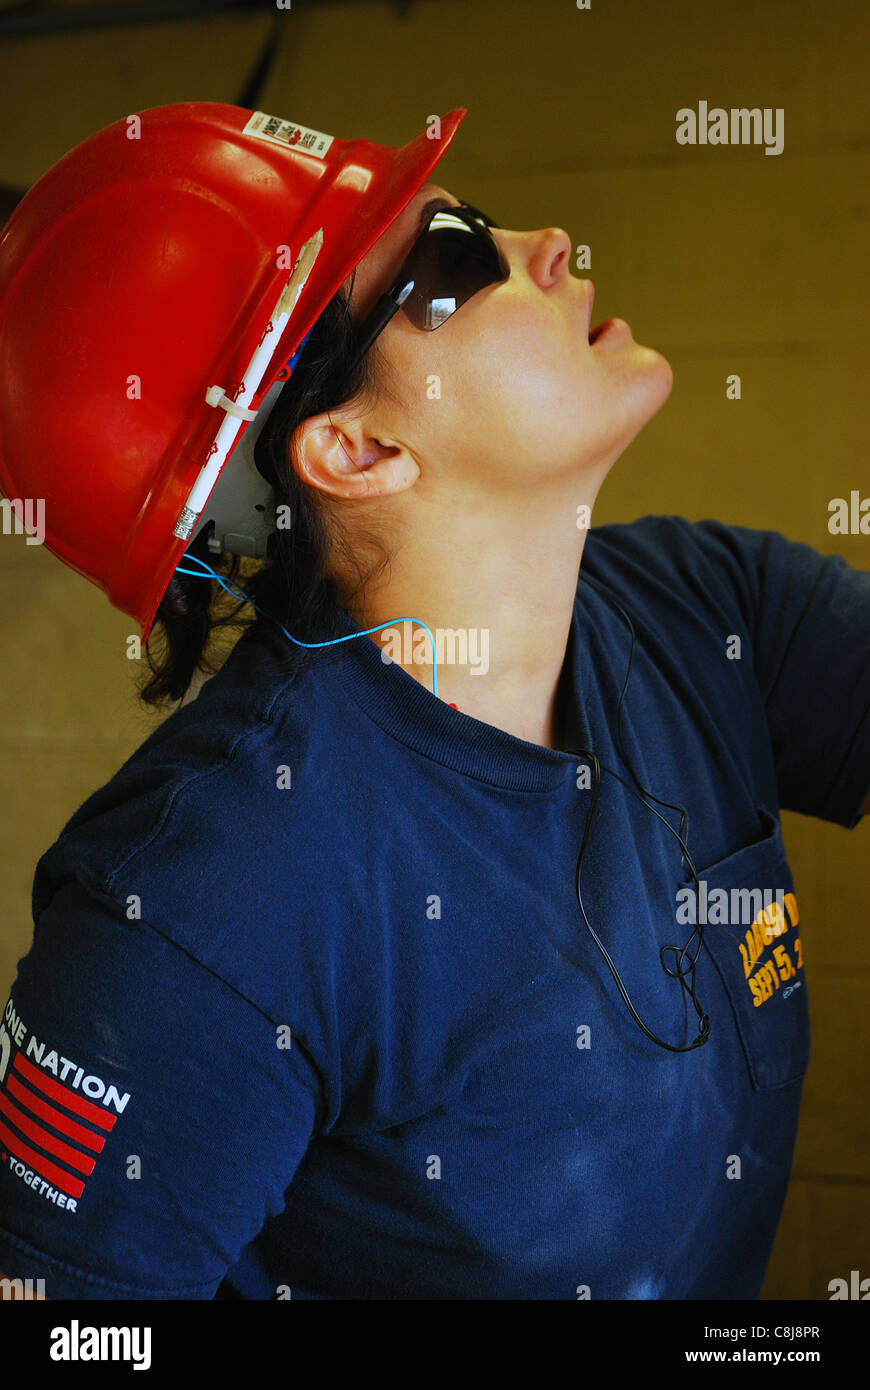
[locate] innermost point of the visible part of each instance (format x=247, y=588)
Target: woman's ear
x=337, y=454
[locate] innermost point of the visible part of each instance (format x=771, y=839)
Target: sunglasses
x=454, y=256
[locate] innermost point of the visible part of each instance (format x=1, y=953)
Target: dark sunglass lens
x=452, y=262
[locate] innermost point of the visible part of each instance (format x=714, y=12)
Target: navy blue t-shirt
x=311, y=1009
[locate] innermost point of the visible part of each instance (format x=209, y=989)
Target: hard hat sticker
x=288, y=133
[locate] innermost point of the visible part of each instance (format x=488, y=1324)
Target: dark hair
x=295, y=586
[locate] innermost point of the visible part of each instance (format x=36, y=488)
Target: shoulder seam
x=266, y=719
x=100, y=891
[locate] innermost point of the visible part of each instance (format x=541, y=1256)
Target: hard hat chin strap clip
x=215, y=395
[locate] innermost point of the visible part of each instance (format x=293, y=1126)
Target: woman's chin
x=656, y=373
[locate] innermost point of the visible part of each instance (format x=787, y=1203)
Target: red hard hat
x=141, y=272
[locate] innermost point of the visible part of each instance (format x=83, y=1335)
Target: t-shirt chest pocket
x=752, y=935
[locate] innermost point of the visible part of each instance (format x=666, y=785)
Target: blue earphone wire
x=208, y=573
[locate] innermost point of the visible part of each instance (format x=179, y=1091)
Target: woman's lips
x=606, y=328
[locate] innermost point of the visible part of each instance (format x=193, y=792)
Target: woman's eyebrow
x=432, y=206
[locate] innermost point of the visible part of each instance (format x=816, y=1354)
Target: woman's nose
x=548, y=254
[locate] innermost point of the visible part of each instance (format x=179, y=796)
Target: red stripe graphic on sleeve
x=62, y=1180
x=62, y=1094
x=49, y=1128
x=55, y=1118
x=41, y=1136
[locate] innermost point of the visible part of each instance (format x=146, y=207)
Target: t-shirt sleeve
x=151, y=1118
x=809, y=615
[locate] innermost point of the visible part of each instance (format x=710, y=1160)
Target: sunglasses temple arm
x=388, y=305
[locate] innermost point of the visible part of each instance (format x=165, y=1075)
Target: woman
x=371, y=977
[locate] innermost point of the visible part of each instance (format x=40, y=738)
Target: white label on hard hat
x=288, y=134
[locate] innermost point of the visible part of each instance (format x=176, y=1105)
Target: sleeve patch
x=55, y=1116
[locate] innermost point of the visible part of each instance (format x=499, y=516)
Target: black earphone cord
x=685, y=973
x=682, y=972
